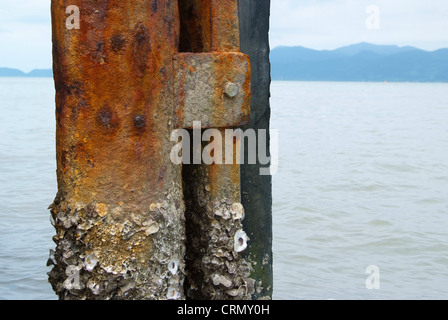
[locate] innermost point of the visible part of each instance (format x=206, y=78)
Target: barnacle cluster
x=108, y=252
x=215, y=241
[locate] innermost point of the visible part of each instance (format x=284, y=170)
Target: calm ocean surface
x=362, y=181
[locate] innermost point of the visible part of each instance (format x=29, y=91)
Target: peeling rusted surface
x=114, y=102
x=113, y=92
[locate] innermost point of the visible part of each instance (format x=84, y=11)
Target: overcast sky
x=25, y=32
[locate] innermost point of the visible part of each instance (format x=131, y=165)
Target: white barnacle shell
x=94, y=287
x=90, y=262
x=223, y=213
x=222, y=280
x=152, y=228
x=173, y=266
x=233, y=292
x=240, y=241
x=237, y=211
x=52, y=221
x=173, y=293
x=52, y=257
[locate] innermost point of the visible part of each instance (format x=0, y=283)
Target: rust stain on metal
x=200, y=84
x=216, y=26
x=215, y=269
x=209, y=26
x=124, y=81
x=195, y=31
x=114, y=108
x=225, y=26
x=108, y=86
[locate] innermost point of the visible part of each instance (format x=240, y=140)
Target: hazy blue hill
x=292, y=54
x=360, y=62
x=8, y=72
x=354, y=49
x=43, y=73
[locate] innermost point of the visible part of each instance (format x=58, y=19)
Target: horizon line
x=271, y=49
x=358, y=43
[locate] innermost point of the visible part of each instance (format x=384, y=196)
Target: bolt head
x=139, y=122
x=232, y=90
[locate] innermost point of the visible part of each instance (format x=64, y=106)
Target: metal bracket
x=213, y=88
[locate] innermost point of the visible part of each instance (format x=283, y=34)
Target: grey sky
x=328, y=24
x=25, y=31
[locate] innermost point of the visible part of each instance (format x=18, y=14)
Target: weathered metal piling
x=130, y=223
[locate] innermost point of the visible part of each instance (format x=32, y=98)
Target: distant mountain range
x=8, y=72
x=360, y=62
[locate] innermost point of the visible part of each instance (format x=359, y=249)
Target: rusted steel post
x=215, y=270
x=122, y=88
x=119, y=213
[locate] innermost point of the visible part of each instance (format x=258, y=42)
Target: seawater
x=27, y=186
x=362, y=181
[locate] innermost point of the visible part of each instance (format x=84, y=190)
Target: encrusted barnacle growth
x=215, y=267
x=121, y=265
x=126, y=228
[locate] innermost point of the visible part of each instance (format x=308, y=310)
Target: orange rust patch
x=113, y=79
